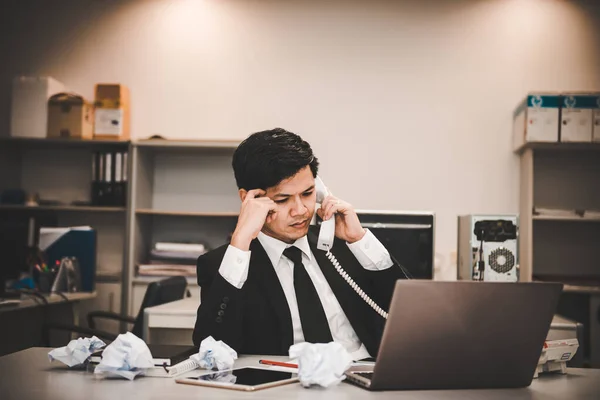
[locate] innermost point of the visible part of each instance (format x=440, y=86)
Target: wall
x=407, y=104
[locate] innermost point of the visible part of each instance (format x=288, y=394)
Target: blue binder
x=75, y=242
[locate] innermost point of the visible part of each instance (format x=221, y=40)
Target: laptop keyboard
x=366, y=375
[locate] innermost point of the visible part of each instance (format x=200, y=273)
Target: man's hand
x=255, y=211
x=347, y=224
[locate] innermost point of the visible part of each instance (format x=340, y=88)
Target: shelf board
x=581, y=289
x=187, y=144
x=149, y=211
x=145, y=280
x=63, y=142
x=223, y=144
x=565, y=218
x=10, y=207
x=591, y=146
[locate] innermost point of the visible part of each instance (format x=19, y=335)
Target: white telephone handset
x=327, y=230
x=325, y=242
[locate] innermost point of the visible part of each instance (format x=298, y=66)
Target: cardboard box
x=112, y=114
x=596, y=122
x=70, y=116
x=576, y=116
x=536, y=119
x=29, y=105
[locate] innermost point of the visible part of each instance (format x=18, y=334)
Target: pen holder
x=45, y=281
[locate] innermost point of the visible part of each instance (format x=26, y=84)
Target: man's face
x=295, y=198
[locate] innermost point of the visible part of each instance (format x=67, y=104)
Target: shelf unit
x=178, y=191
x=181, y=191
x=559, y=176
x=556, y=242
x=61, y=170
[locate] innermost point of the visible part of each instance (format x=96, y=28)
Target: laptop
x=462, y=335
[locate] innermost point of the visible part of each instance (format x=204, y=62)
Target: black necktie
x=312, y=315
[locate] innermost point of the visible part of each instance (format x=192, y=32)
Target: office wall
x=407, y=103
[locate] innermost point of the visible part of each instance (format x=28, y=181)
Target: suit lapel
x=357, y=311
x=269, y=282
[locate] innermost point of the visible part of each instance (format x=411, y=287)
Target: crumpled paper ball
x=213, y=354
x=322, y=364
x=77, y=351
x=127, y=357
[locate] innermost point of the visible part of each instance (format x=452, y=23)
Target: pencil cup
x=45, y=281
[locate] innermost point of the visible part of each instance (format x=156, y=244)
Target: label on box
x=109, y=121
x=576, y=118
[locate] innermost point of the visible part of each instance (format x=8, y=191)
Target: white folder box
x=29, y=105
x=576, y=117
x=536, y=119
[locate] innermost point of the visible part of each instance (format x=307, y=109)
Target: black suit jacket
x=256, y=318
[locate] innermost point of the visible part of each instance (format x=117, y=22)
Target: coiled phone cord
x=355, y=286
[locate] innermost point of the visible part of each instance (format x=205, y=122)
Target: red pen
x=277, y=363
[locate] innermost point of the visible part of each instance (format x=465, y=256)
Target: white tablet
x=247, y=379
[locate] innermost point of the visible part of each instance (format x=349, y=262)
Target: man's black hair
x=266, y=158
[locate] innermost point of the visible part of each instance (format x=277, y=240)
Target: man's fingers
x=272, y=205
x=320, y=213
x=267, y=201
x=333, y=206
x=332, y=210
x=327, y=209
x=254, y=193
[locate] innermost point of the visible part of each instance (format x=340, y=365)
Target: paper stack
x=170, y=259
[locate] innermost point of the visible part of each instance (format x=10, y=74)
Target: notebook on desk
x=163, y=355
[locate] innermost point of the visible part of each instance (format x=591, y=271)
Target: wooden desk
x=29, y=375
x=21, y=325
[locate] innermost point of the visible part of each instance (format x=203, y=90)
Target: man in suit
x=270, y=287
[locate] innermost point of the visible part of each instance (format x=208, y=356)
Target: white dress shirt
x=369, y=252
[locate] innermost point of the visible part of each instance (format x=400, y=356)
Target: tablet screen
x=246, y=376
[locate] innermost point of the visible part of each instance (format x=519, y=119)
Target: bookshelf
x=60, y=170
x=182, y=191
x=177, y=191
x=559, y=210
x=559, y=228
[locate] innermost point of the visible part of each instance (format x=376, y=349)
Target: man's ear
x=242, y=193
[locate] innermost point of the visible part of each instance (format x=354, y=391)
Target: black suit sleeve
x=220, y=313
x=381, y=283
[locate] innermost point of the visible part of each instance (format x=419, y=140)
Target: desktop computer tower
x=488, y=248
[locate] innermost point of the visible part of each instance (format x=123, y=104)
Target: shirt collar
x=275, y=247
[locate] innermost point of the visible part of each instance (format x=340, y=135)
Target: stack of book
x=170, y=259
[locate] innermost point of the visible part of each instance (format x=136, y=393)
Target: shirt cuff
x=234, y=266
x=371, y=253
